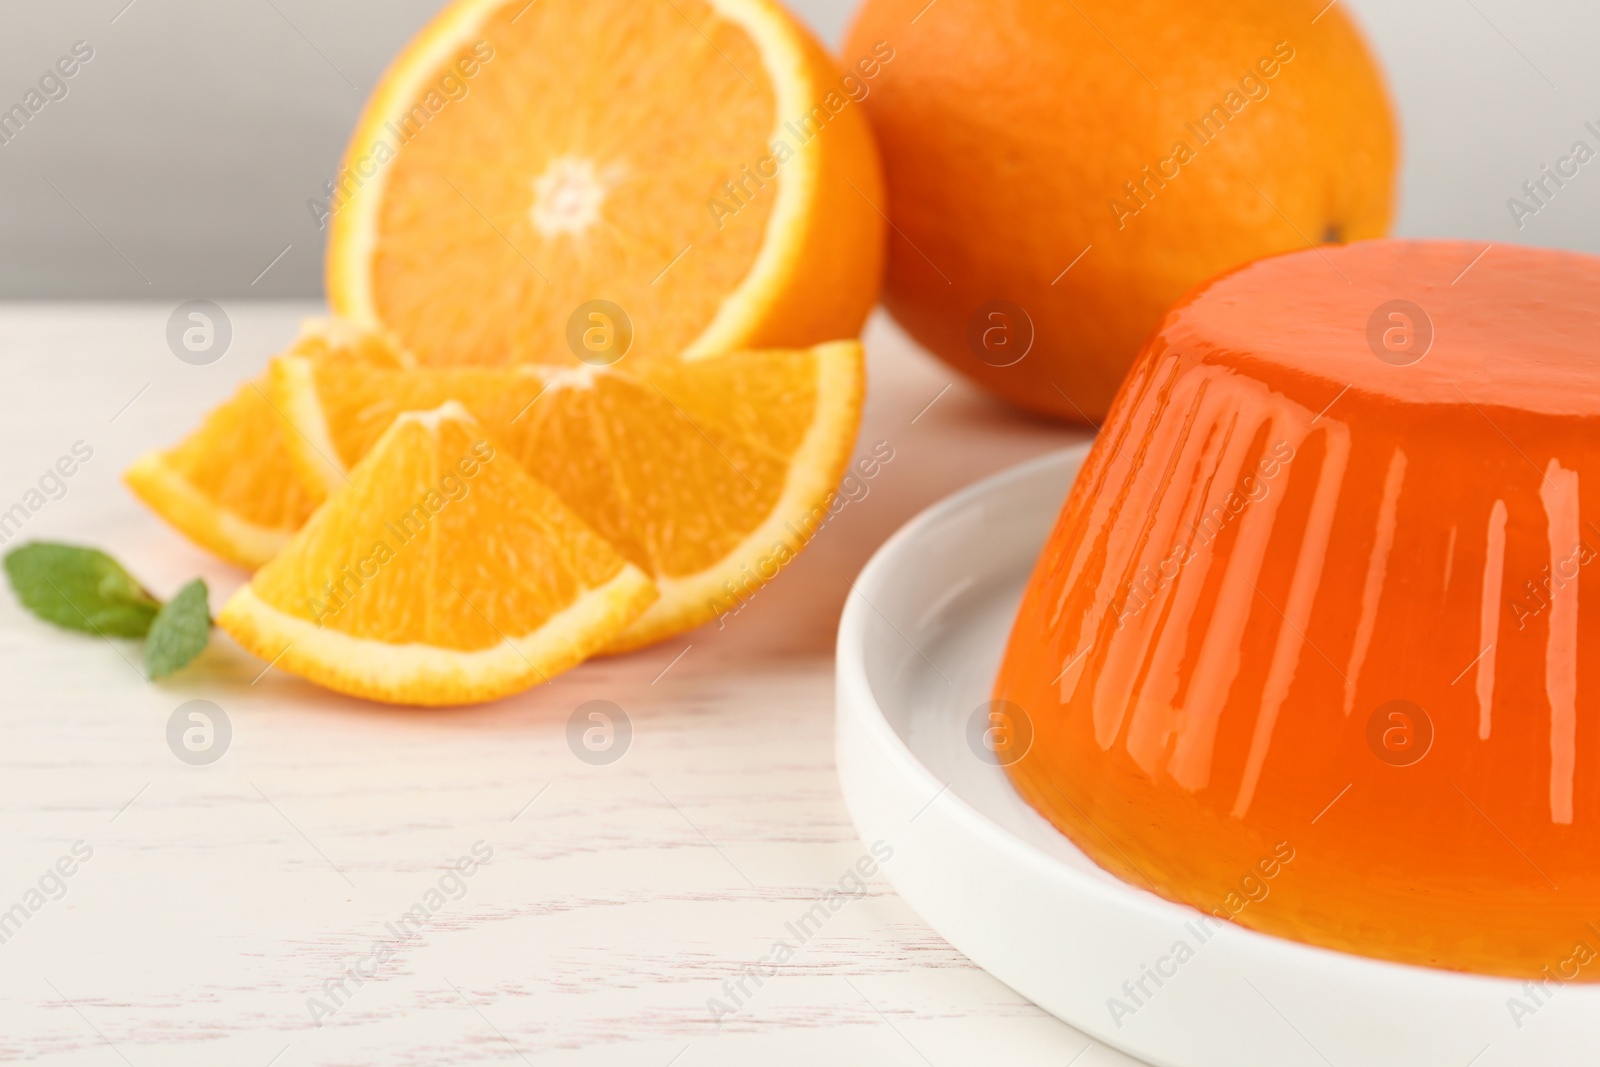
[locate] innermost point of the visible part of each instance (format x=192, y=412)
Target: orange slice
x=699, y=164
x=440, y=574
x=707, y=475
x=228, y=486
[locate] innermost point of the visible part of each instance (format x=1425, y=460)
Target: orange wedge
x=228, y=486
x=707, y=475
x=440, y=574
x=699, y=164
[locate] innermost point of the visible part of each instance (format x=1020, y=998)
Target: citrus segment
x=229, y=486
x=693, y=163
x=707, y=475
x=441, y=573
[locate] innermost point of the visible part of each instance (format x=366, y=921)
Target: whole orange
x=1061, y=171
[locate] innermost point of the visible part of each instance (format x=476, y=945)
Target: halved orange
x=441, y=573
x=228, y=486
x=700, y=164
x=707, y=475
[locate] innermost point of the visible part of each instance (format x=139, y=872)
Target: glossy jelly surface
x=1315, y=645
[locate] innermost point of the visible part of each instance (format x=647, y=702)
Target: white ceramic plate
x=919, y=646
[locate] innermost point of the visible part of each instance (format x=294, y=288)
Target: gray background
x=180, y=163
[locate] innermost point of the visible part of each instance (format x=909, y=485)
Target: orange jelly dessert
x=1315, y=644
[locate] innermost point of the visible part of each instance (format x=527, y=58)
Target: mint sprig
x=84, y=589
x=180, y=631
x=80, y=589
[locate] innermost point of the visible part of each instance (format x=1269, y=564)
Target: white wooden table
x=220, y=901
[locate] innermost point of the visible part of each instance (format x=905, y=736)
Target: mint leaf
x=80, y=589
x=180, y=632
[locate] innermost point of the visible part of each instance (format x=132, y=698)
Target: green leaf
x=180, y=632
x=80, y=589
